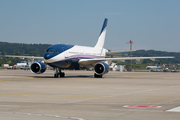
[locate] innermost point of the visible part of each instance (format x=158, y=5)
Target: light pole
x=130, y=42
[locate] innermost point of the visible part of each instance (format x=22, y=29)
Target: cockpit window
x=52, y=51
x=58, y=48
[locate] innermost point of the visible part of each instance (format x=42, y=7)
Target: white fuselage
x=79, y=51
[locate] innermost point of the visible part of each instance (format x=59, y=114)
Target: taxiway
x=79, y=96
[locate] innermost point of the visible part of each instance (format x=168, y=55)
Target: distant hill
x=23, y=49
x=151, y=53
x=146, y=53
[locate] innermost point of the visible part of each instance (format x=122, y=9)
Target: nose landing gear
x=58, y=73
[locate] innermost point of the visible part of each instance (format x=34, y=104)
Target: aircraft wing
x=119, y=52
x=23, y=57
x=94, y=61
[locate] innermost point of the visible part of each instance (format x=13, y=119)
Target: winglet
x=100, y=42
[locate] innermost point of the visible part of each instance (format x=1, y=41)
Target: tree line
x=22, y=49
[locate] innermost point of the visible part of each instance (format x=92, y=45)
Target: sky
x=151, y=24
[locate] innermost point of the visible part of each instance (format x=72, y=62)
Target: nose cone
x=49, y=55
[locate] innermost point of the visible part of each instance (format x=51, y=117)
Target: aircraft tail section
x=100, y=42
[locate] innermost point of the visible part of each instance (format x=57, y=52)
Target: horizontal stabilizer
x=119, y=52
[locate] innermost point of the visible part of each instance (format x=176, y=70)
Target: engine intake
x=38, y=67
x=101, y=68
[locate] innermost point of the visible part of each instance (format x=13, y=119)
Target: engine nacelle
x=101, y=68
x=38, y=67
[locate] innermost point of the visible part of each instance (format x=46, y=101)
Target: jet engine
x=101, y=68
x=38, y=67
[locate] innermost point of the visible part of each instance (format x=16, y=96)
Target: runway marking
x=81, y=77
x=177, y=109
x=6, y=81
x=9, y=106
x=17, y=78
x=141, y=106
x=45, y=95
x=138, y=110
x=128, y=75
x=76, y=118
x=25, y=78
x=89, y=103
x=43, y=115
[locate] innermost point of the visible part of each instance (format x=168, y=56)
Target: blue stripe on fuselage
x=55, y=50
x=69, y=63
x=66, y=64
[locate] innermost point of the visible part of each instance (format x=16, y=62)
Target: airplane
x=63, y=56
x=153, y=67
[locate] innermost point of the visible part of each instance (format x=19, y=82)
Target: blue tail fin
x=100, y=42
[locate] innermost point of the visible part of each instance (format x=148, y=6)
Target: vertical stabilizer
x=100, y=42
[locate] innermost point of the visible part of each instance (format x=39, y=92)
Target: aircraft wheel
x=55, y=75
x=59, y=75
x=62, y=74
x=97, y=76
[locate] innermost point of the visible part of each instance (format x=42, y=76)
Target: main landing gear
x=97, y=76
x=58, y=73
